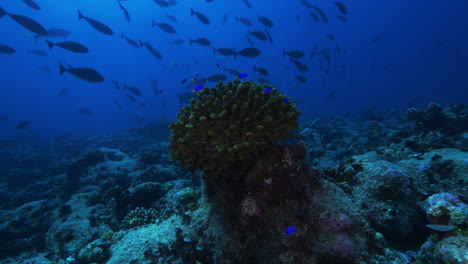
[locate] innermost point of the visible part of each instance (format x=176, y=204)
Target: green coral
x=231, y=122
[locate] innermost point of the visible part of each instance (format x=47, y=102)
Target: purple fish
x=242, y=75
x=198, y=87
x=267, y=90
x=289, y=230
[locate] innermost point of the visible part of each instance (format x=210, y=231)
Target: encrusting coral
x=231, y=122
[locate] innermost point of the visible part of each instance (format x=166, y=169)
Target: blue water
x=421, y=58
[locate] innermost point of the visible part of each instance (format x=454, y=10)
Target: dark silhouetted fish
x=343, y=18
x=116, y=85
x=63, y=92
x=99, y=26
x=378, y=37
x=85, y=111
x=32, y=4
x=315, y=17
x=265, y=21
x=249, y=40
x=200, y=16
x=306, y=4
x=135, y=91
x=331, y=36
x=37, y=52
x=244, y=21
x=163, y=3
x=294, y=54
x=118, y=106
x=226, y=52
x=26, y=22
x=53, y=33
x=300, y=66
x=225, y=17
x=173, y=19
x=23, y=125
x=249, y=52
x=232, y=71
x=201, y=41
x=177, y=42
x=341, y=7
x=152, y=50
x=6, y=49
x=322, y=14
x=217, y=78
x=131, y=98
x=130, y=41
x=247, y=3
x=164, y=27
x=126, y=14
x=85, y=74
x=261, y=71
x=302, y=79
x=69, y=45
x=258, y=34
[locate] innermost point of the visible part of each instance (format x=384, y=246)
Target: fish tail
x=62, y=69
x=122, y=35
x=214, y=50
x=237, y=19
x=2, y=12
x=235, y=55
x=141, y=43
x=153, y=23
x=80, y=16
x=284, y=53
x=191, y=41
x=255, y=68
x=192, y=11
x=49, y=44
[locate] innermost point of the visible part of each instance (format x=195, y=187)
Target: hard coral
x=231, y=122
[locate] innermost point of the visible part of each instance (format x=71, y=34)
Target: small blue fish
x=218, y=67
x=286, y=100
x=267, y=90
x=194, y=79
x=183, y=81
x=289, y=230
x=242, y=75
x=198, y=87
x=182, y=105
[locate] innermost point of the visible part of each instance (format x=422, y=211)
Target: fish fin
x=2, y=12
x=49, y=44
x=192, y=11
x=80, y=16
x=36, y=38
x=62, y=69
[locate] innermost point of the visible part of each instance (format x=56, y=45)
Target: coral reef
x=231, y=122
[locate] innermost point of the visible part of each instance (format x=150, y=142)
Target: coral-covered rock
x=231, y=122
x=446, y=209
